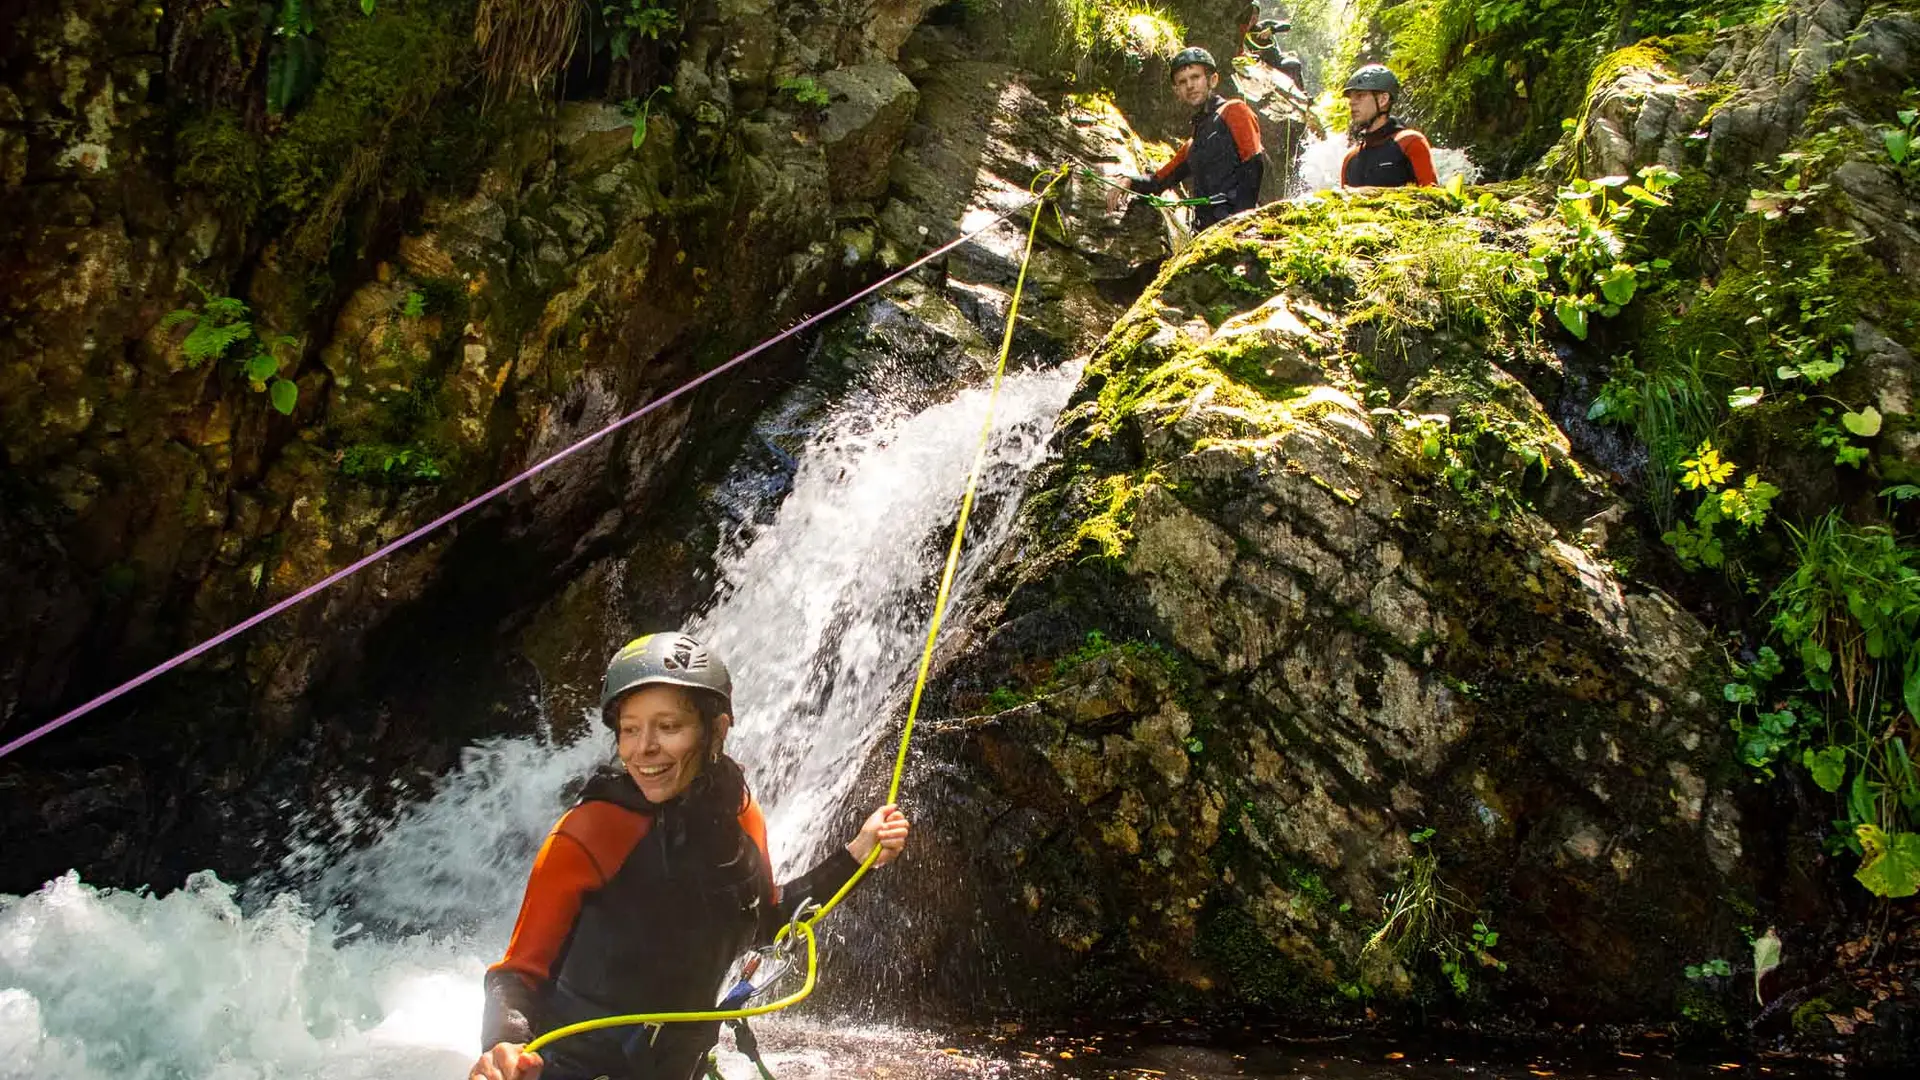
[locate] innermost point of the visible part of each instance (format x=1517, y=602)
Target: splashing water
x=827, y=610
x=372, y=970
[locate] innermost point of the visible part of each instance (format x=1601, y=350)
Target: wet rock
x=870, y=107
x=1281, y=648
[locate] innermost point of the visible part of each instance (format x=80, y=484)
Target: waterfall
x=372, y=971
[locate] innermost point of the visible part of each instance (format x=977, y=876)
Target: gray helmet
x=673, y=659
x=1374, y=77
x=1191, y=55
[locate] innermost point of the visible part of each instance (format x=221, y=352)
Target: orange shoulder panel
x=1245, y=126
x=582, y=852
x=1420, y=154
x=754, y=824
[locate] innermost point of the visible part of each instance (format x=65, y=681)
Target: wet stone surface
x=813, y=1050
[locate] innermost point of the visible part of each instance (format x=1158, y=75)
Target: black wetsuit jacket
x=1222, y=159
x=692, y=892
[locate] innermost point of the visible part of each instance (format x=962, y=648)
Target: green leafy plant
x=1424, y=913
x=804, y=91
x=640, y=112
x=1580, y=258
x=1849, y=613
x=1797, y=193
x=294, y=57
x=415, y=305
x=222, y=327
x=390, y=464
x=1902, y=142
x=1710, y=969
x=630, y=19
x=1746, y=506
x=1836, y=438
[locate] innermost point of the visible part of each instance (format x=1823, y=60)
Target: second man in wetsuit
x=1386, y=153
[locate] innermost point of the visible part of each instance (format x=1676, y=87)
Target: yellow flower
x=1705, y=469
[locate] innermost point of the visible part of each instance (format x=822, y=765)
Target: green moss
x=373, y=109
x=1231, y=943
x=1811, y=1016
x=218, y=155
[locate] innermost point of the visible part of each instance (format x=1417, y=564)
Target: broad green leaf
x=1891, y=866
x=1642, y=195
x=1766, y=957
x=1819, y=371
x=1572, y=316
x=261, y=368
x=1863, y=800
x=1865, y=423
x=1745, y=397
x=1618, y=284
x=1899, y=145
x=1610, y=181
x=1907, y=116
x=283, y=394
x=366, y=6
x=1784, y=371
x=1911, y=691
x=1828, y=766
x=1815, y=656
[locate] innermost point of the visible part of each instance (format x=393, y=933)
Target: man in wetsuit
x=1222, y=162
x=1386, y=153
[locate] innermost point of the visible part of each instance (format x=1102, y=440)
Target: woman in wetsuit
x=650, y=886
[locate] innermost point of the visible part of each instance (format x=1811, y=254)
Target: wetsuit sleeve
x=1346, y=167
x=1420, y=156
x=818, y=884
x=579, y=855
x=1168, y=175
x=1245, y=127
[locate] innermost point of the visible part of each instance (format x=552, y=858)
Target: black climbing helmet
x=672, y=659
x=1375, y=77
x=1191, y=55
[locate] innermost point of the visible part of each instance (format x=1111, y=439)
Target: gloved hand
x=1117, y=199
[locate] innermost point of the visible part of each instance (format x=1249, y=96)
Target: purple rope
x=492, y=493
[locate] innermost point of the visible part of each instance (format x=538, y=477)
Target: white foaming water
x=824, y=615
x=1320, y=161
x=379, y=979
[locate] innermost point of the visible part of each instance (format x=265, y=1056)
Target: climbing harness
x=735, y=1004
x=496, y=491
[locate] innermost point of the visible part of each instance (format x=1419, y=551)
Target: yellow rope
x=805, y=926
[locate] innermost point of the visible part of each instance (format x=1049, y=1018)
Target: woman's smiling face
x=662, y=741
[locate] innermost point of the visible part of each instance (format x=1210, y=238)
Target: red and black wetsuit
x=1392, y=155
x=1222, y=159
x=635, y=907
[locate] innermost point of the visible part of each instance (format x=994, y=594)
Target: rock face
x=1301, y=633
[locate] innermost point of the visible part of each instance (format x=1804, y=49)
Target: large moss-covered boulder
x=1305, y=682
